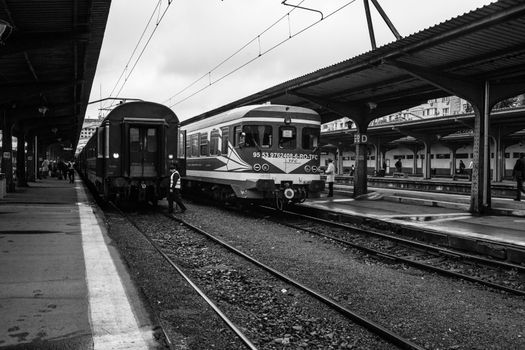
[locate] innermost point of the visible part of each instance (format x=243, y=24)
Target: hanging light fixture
x=5, y=31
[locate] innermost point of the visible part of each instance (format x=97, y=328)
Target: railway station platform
x=435, y=217
x=62, y=285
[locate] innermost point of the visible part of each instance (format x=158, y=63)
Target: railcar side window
x=310, y=138
x=237, y=135
x=224, y=146
x=188, y=146
x=195, y=145
x=214, y=142
x=287, y=137
x=204, y=144
x=100, y=141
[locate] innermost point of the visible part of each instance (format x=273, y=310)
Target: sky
x=203, y=54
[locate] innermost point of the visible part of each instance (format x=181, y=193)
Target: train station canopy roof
x=487, y=44
x=49, y=51
x=453, y=129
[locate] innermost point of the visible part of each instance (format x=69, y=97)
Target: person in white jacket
x=330, y=177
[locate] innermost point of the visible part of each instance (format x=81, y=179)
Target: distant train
x=128, y=157
x=262, y=153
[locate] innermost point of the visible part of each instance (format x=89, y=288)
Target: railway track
x=487, y=272
x=165, y=245
x=158, y=247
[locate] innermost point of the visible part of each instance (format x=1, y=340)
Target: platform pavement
x=61, y=285
x=499, y=206
x=432, y=219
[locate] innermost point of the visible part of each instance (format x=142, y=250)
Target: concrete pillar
x=32, y=168
x=360, y=175
x=480, y=200
x=453, y=165
x=21, y=161
x=415, y=149
x=339, y=159
x=427, y=173
x=7, y=153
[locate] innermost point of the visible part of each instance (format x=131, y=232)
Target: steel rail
x=226, y=320
x=376, y=328
x=405, y=260
x=424, y=246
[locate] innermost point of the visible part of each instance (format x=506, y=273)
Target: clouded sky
x=194, y=37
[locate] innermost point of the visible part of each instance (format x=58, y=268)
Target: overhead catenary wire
x=256, y=38
x=261, y=53
x=156, y=10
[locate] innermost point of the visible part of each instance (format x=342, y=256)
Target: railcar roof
x=236, y=113
x=142, y=109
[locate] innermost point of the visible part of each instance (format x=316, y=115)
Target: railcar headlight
x=257, y=167
x=307, y=168
x=265, y=167
x=170, y=156
x=289, y=193
x=314, y=169
x=116, y=155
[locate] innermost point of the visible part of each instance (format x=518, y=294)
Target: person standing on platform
x=352, y=170
x=174, y=190
x=518, y=172
x=399, y=166
x=330, y=177
x=71, y=171
x=461, y=167
x=45, y=168
x=470, y=167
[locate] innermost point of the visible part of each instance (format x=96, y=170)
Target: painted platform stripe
x=112, y=320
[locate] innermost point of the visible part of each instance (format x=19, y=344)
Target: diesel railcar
x=128, y=157
x=253, y=153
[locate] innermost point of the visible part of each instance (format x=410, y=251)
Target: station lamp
x=5, y=31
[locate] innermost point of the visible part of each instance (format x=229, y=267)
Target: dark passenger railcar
x=129, y=155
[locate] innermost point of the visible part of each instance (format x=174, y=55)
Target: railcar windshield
x=310, y=138
x=257, y=136
x=287, y=137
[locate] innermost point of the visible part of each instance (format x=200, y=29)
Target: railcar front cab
x=290, y=161
x=131, y=159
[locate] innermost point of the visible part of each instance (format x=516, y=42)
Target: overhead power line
x=156, y=10
x=208, y=74
x=261, y=53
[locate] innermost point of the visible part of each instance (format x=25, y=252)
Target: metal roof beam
x=452, y=84
x=20, y=42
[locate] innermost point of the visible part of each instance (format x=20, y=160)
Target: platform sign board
x=360, y=138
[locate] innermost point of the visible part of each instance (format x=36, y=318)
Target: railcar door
x=143, y=155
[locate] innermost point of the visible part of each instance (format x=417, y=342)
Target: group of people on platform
x=62, y=170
